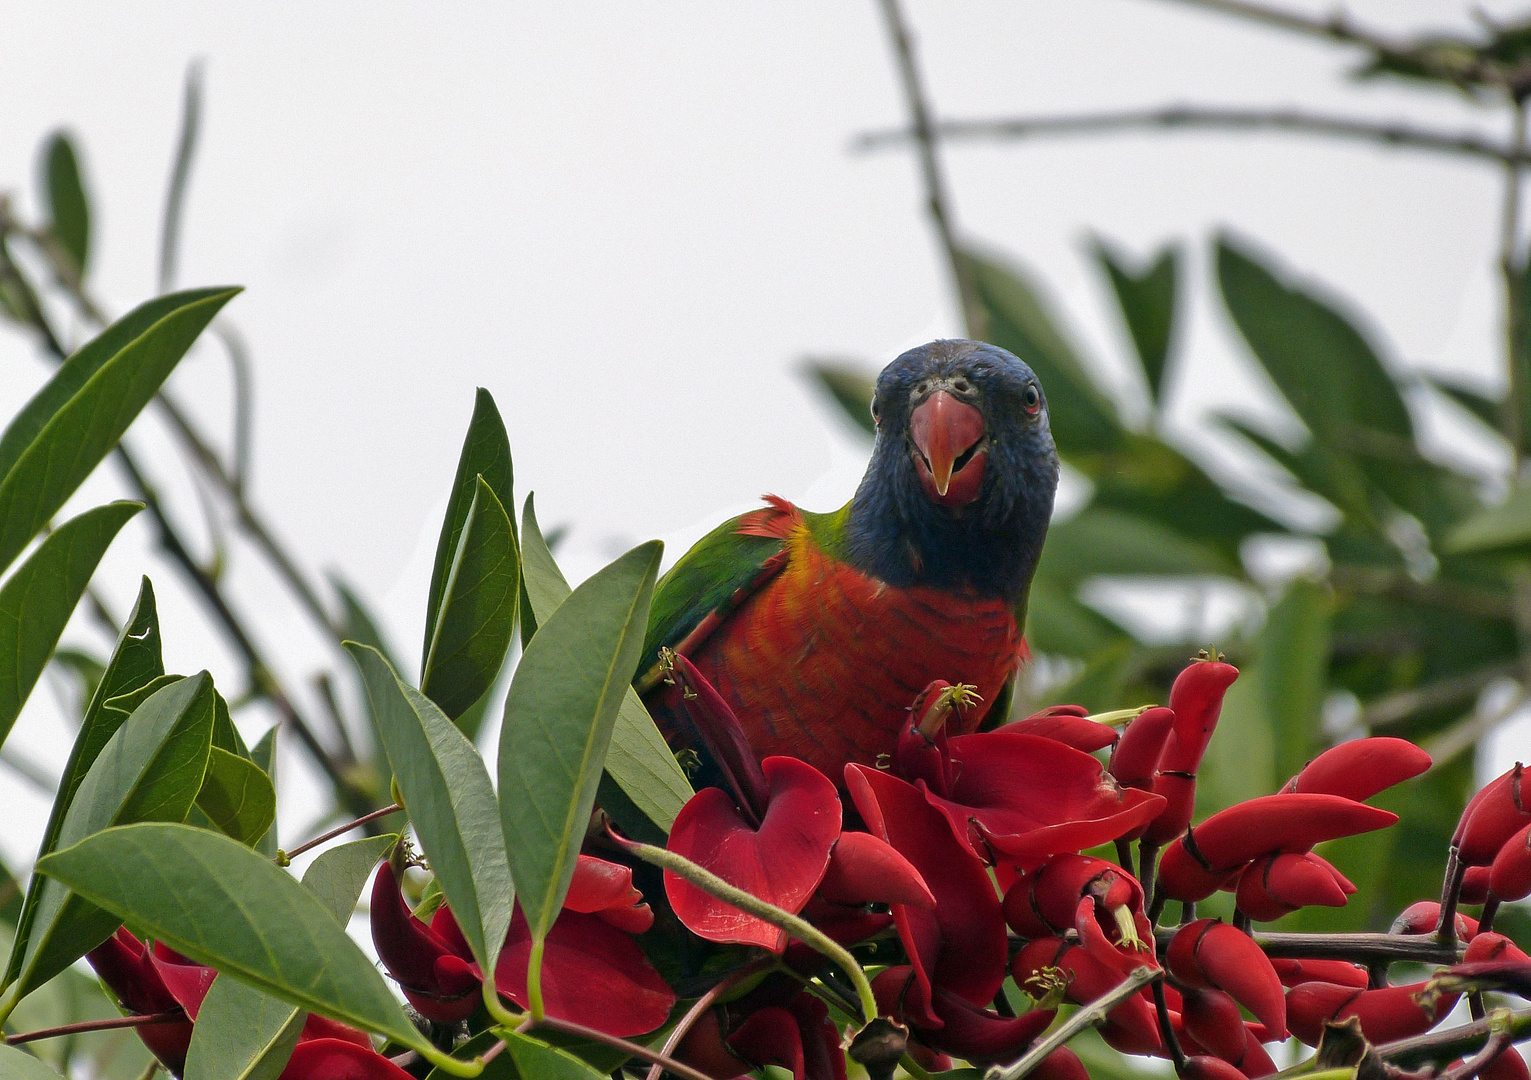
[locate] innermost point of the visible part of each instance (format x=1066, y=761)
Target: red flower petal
x=864, y=869
x=188, y=983
x=961, y=945
x=606, y=889
x=1034, y=797
x=334, y=1059
x=1070, y=728
x=770, y=1037
x=980, y=1035
x=592, y=974
x=781, y=863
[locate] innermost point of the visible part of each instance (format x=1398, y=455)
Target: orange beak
x=943, y=429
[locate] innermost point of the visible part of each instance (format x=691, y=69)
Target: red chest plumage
x=823, y=662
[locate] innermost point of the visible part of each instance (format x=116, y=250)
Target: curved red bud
x=606, y=889
x=1196, y=698
x=1491, y=946
x=1204, y=1067
x=1392, y=1012
x=1061, y=1064
x=1070, y=728
x=1360, y=768
x=1136, y=754
x=980, y=1035
x=1209, y=953
x=864, y=869
x=723, y=736
x=1279, y=884
x=440, y=982
x=1341, y=972
x=1510, y=876
x=1509, y=1065
x=1422, y=916
x=1256, y=1062
x=1132, y=1027
x=1475, y=883
x=1182, y=877
x=125, y=965
x=337, y=1059
x=1495, y=814
x=1045, y=900
x=782, y=862
x=1213, y=1019
x=1339, y=879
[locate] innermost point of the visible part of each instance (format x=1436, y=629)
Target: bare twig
x=340, y=830
x=937, y=200
x=1393, y=708
x=143, y=1020
x=1088, y=1016
x=180, y=175
x=1361, y=948
x=694, y=1013
x=1201, y=117
x=1457, y=1041
x=1512, y=271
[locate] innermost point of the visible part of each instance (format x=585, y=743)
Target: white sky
x=632, y=220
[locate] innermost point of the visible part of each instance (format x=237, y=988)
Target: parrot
x=820, y=629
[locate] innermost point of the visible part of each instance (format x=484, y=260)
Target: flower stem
x=144, y=1020
x=1088, y=1016
x=285, y=857
x=801, y=929
x=704, y=1003
x=534, y=981
x=637, y=1050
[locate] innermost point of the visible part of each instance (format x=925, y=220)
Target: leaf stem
x=637, y=1050
x=534, y=981
x=704, y=1003
x=284, y=857
x=801, y=929
x=169, y=1016
x=1088, y=1016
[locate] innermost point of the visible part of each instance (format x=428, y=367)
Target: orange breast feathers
x=823, y=662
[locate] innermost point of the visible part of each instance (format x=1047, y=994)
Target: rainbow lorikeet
x=819, y=630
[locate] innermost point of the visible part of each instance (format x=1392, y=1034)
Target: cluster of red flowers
x=956, y=862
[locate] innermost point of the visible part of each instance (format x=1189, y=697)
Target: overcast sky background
x=631, y=221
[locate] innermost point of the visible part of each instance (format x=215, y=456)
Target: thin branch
x=1393, y=708
x=170, y=1016
x=340, y=830
x=703, y=1003
x=1090, y=1015
x=1206, y=117
x=1456, y=1042
x=1512, y=271
x=180, y=176
x=1167, y=1028
x=637, y=1050
x=937, y=200
x=1361, y=948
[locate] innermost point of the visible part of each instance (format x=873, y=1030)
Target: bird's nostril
x=962, y=386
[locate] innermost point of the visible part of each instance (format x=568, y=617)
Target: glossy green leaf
x=220, y=904
x=559, y=714
x=503, y=1067
x=37, y=600
x=639, y=760
x=237, y=796
x=135, y=662
x=1147, y=302
x=246, y=1034
x=1083, y=418
x=68, y=207
x=451, y=804
x=18, y=1065
x=225, y=735
x=1313, y=352
x=533, y=1057
x=476, y=621
x=850, y=386
x=263, y=753
x=75, y=437
x=486, y=454
x=150, y=770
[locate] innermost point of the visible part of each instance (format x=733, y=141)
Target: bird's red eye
x=1031, y=398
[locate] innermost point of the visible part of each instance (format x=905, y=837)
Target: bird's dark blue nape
x=961, y=483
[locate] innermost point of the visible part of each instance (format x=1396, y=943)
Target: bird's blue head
x=960, y=487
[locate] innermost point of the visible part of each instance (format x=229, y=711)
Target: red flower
x=967, y=1031
x=1099, y=900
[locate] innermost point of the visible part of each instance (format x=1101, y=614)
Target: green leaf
x=220, y=904
x=75, y=437
x=485, y=454
x=1147, y=301
x=1083, y=418
x=264, y=755
x=450, y=801
x=237, y=796
x=559, y=714
x=68, y=207
x=19, y=1065
x=1313, y=352
x=135, y=662
x=850, y=386
x=533, y=1057
x=1486, y=409
x=37, y=600
x=477, y=618
x=225, y=735
x=638, y=760
x=245, y=1034
x=1100, y=541
x=149, y=770
x=1504, y=529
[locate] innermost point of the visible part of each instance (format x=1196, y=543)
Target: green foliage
x=220, y=904
x=19, y=1065
x=68, y=207
x=237, y=797
x=37, y=600
x=559, y=715
x=1147, y=301
x=451, y=803
x=533, y=1057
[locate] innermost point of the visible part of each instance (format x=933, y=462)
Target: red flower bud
x=1131, y=1027
x=1271, y=823
x=704, y=1050
x=1202, y=1067
x=1213, y=1019
x=1066, y=724
x=1061, y=1064
x=1510, y=877
x=1342, y=972
x=1278, y=885
x=1422, y=916
x=606, y=889
x=124, y=964
x=337, y=1059
x=864, y=869
x=1509, y=1065
x=1256, y=1061
x=1494, y=815
x=1360, y=768
x=1491, y=946
x=1196, y=699
x=1136, y=754
x=723, y=736
x=1393, y=1012
x=981, y=1035
x=797, y=1037
x=1098, y=899
x=439, y=981
x=1209, y=953
x=1475, y=882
